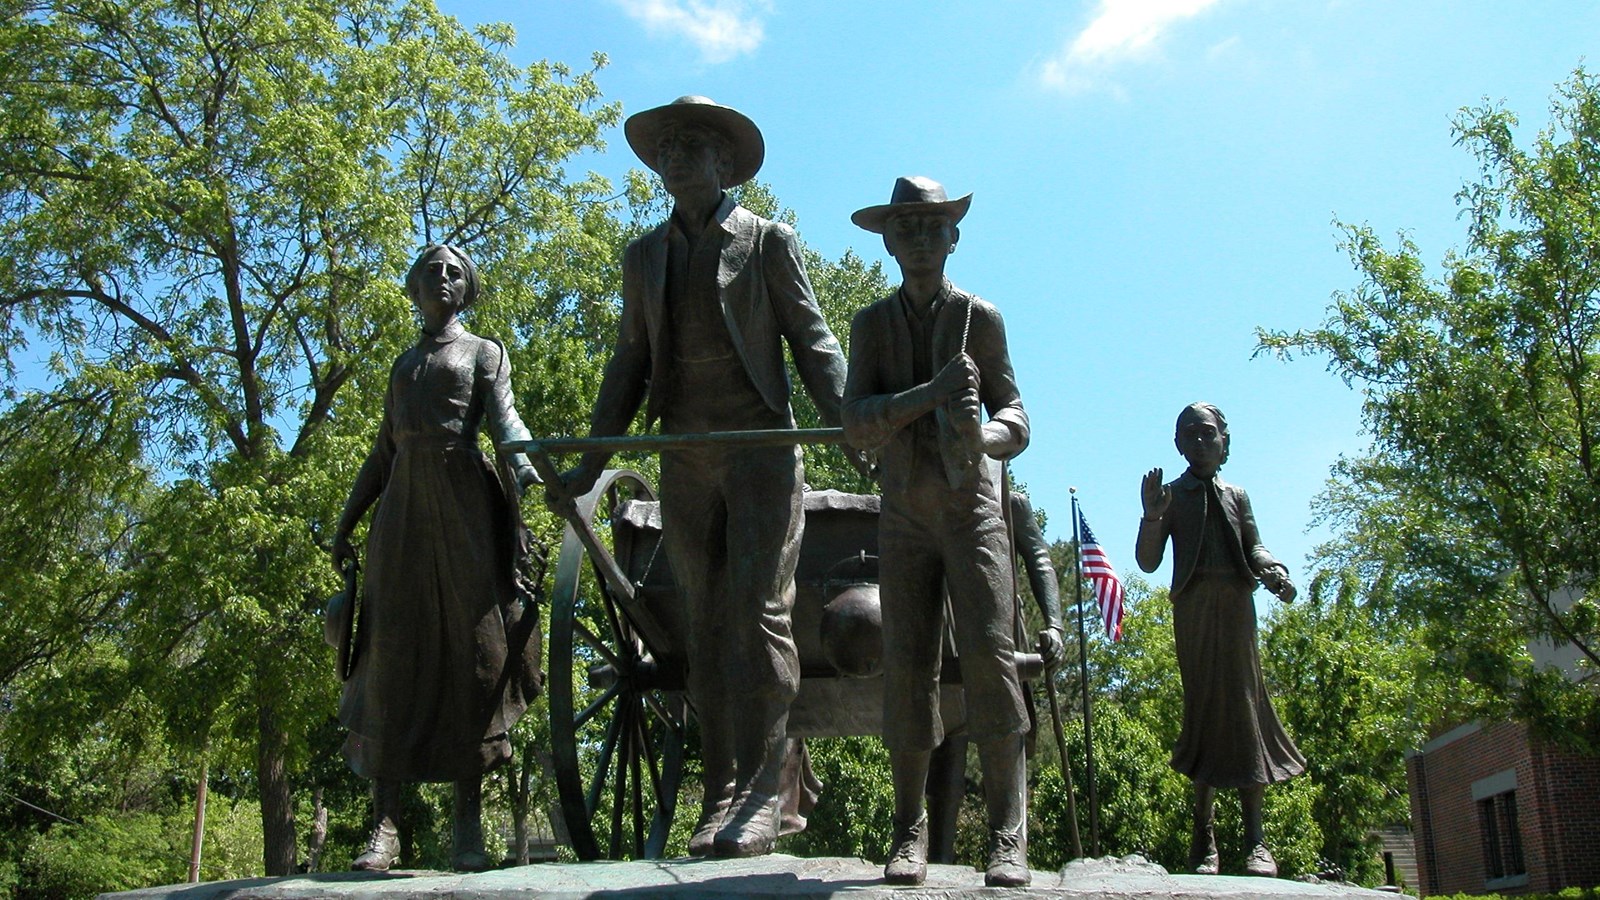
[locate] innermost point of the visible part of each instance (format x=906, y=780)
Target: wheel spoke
x=650, y=757
x=639, y=749
x=597, y=645
x=624, y=638
x=603, y=766
x=668, y=720
x=589, y=711
x=619, y=785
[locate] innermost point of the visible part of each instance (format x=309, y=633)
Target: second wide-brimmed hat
x=746, y=148
x=912, y=194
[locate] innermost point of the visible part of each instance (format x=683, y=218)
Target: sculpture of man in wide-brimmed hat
x=926, y=362
x=709, y=298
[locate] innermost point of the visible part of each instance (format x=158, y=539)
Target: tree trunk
x=553, y=811
x=319, y=831
x=277, y=803
x=199, y=823
x=520, y=787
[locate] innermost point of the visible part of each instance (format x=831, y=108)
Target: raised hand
x=1156, y=495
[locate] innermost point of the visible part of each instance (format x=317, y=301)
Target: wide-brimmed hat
x=912, y=194
x=746, y=149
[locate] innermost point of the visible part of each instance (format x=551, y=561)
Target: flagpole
x=1083, y=678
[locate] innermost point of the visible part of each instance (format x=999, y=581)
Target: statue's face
x=689, y=160
x=1202, y=443
x=919, y=242
x=443, y=282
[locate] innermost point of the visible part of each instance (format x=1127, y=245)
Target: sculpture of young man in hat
x=925, y=362
x=709, y=298
x=1231, y=736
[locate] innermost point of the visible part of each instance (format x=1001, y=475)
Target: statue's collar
x=452, y=330
x=719, y=215
x=1190, y=481
x=934, y=305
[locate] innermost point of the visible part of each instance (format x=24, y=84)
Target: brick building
x=1495, y=810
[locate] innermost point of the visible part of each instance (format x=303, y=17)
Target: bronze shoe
x=382, y=850
x=908, y=854
x=1260, y=862
x=1008, y=860
x=1203, y=857
x=705, y=831
x=751, y=829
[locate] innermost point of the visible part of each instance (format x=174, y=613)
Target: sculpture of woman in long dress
x=445, y=659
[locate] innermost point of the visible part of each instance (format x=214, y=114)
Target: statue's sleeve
x=373, y=475
x=865, y=411
x=1030, y=544
x=817, y=356
x=505, y=425
x=627, y=375
x=1249, y=538
x=997, y=386
x=1152, y=540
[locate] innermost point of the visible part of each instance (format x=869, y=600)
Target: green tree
x=1479, y=499
x=1348, y=686
x=207, y=211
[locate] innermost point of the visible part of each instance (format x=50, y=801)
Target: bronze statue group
x=927, y=400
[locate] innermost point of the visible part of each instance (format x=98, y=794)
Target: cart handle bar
x=663, y=443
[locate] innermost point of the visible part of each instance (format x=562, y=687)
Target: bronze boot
x=1005, y=795
x=908, y=853
x=716, y=751
x=751, y=826
x=467, y=830
x=383, y=844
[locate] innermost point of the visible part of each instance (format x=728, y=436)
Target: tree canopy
x=1478, y=501
x=207, y=210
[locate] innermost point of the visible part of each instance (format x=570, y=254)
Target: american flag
x=1102, y=578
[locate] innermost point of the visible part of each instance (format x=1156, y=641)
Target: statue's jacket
x=766, y=301
x=881, y=346
x=1185, y=521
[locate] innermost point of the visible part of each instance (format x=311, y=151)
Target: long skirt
x=1231, y=737
x=434, y=692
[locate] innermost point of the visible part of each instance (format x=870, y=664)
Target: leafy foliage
x=208, y=210
x=853, y=815
x=1479, y=501
x=1348, y=688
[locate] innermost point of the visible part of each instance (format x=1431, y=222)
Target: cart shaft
x=663, y=443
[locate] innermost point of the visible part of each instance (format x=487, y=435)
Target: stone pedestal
x=775, y=876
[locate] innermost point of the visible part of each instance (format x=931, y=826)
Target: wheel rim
x=617, y=738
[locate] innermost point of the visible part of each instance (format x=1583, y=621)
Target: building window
x=1502, y=839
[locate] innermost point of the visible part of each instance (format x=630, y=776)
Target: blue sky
x=1152, y=180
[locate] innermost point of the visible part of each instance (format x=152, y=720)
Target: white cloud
x=720, y=29
x=1121, y=30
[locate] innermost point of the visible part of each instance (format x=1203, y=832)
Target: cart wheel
x=616, y=736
